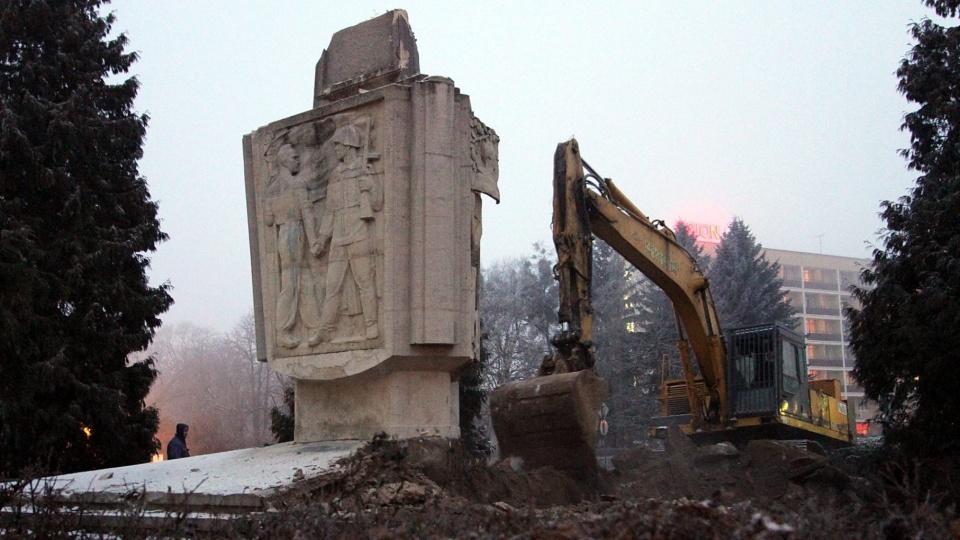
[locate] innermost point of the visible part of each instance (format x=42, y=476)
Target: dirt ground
x=428, y=489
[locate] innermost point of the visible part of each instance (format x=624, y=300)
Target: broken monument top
x=371, y=54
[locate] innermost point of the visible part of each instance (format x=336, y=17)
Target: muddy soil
x=428, y=488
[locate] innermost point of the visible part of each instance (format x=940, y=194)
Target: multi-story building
x=819, y=287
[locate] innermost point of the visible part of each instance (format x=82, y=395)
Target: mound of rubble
x=429, y=488
x=424, y=470
x=425, y=488
x=764, y=470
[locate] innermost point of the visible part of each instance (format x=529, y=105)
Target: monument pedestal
x=402, y=404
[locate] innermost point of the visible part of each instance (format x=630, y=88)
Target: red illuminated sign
x=705, y=233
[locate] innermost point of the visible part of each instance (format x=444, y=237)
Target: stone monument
x=365, y=219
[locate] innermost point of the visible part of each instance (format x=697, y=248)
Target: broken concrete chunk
x=368, y=55
x=716, y=453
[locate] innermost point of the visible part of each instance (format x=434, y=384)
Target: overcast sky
x=783, y=113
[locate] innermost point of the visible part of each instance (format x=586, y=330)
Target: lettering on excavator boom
x=658, y=255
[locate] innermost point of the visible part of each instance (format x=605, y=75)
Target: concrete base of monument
x=226, y=482
x=401, y=404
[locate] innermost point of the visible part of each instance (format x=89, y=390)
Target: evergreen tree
x=76, y=220
x=473, y=395
x=745, y=286
x=688, y=241
x=656, y=336
x=541, y=294
x=282, y=419
x=905, y=335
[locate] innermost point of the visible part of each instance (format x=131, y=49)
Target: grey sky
x=784, y=113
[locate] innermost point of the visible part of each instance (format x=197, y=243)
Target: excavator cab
x=765, y=364
x=771, y=396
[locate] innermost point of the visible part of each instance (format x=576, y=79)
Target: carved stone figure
x=352, y=199
x=484, y=156
x=484, y=160
x=316, y=163
x=289, y=211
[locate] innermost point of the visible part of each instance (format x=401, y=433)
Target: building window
x=852, y=385
x=825, y=355
x=849, y=279
x=796, y=299
x=823, y=329
x=820, y=278
x=823, y=304
x=790, y=275
x=849, y=301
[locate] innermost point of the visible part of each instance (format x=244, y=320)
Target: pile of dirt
x=424, y=471
x=448, y=518
x=430, y=488
x=763, y=470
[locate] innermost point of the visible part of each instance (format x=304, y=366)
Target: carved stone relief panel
x=484, y=156
x=320, y=229
x=485, y=166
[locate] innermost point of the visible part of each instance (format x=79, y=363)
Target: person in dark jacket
x=177, y=447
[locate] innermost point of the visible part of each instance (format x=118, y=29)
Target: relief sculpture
x=320, y=206
x=485, y=166
x=484, y=158
x=288, y=211
x=353, y=197
x=485, y=163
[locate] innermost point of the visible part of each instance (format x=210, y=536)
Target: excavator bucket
x=550, y=420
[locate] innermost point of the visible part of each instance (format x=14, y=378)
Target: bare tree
x=213, y=382
x=516, y=331
x=262, y=387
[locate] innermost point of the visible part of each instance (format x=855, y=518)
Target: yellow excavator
x=750, y=384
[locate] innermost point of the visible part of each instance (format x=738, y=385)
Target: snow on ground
x=262, y=472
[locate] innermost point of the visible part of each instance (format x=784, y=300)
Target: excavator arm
x=653, y=249
x=551, y=419
x=603, y=211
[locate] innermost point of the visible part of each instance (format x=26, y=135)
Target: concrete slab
x=223, y=482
